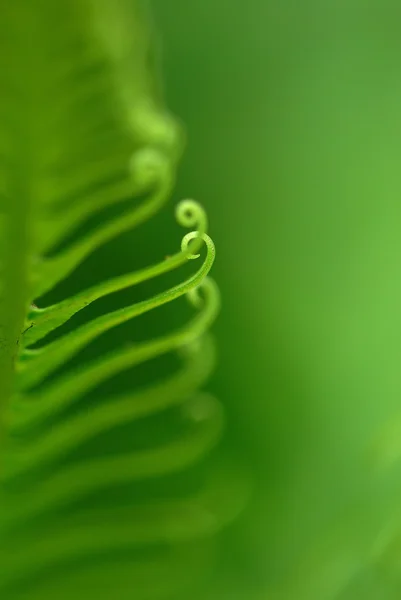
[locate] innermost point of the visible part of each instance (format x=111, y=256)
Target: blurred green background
x=292, y=111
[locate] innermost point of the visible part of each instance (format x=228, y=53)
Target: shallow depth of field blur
x=293, y=115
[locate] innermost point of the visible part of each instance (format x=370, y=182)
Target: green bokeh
x=293, y=119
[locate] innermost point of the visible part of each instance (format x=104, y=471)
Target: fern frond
x=82, y=132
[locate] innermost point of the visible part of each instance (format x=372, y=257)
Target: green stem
x=14, y=286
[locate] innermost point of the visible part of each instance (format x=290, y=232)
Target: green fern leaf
x=82, y=133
